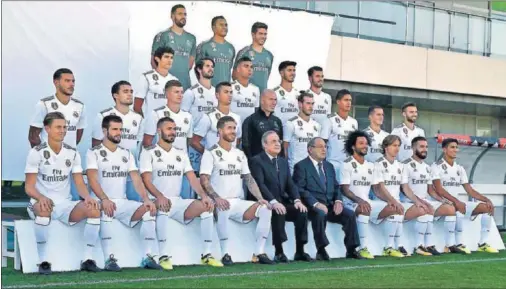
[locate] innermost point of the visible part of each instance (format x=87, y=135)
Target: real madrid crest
x=282, y=92
x=54, y=105
x=103, y=153
x=369, y=171
x=299, y=122
x=124, y=159
x=385, y=165
x=251, y=54
x=413, y=165
x=158, y=153
x=405, y=130
x=155, y=77
x=186, y=121
x=354, y=165
x=217, y=116
x=166, y=113
x=178, y=158
x=200, y=90
x=237, y=88
x=219, y=154
x=399, y=171
x=326, y=101
x=46, y=155
x=68, y=163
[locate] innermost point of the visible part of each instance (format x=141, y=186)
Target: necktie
x=322, y=174
x=275, y=163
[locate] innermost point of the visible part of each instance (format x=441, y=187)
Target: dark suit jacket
x=273, y=187
x=307, y=179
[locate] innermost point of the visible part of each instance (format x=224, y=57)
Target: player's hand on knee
x=364, y=207
x=150, y=207
x=163, y=204
x=208, y=204
x=399, y=209
x=279, y=208
x=490, y=206
x=460, y=206
x=91, y=203
x=108, y=207
x=46, y=204
x=222, y=204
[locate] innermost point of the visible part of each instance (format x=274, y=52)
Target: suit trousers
x=299, y=219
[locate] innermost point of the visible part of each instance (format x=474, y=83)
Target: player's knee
x=205, y=215
x=450, y=210
x=363, y=219
x=263, y=211
x=42, y=220
x=39, y=212
x=451, y=218
x=425, y=218
x=93, y=213
x=146, y=217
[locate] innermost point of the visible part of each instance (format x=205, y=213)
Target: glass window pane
x=477, y=35
x=424, y=26
x=383, y=11
x=344, y=25
x=292, y=4
x=498, y=42
x=442, y=33
x=459, y=33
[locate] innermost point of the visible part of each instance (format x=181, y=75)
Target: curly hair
x=352, y=140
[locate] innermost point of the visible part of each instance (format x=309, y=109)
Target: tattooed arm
x=253, y=187
x=205, y=181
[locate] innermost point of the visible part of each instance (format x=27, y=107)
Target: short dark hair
x=302, y=94
x=341, y=93
x=115, y=87
x=175, y=7
x=172, y=83
x=200, y=65
x=57, y=74
x=221, y=84
x=241, y=60
x=48, y=119
x=417, y=139
x=106, y=121
x=160, y=51
x=223, y=120
x=215, y=19
x=163, y=120
x=352, y=140
x=285, y=64
x=312, y=70
x=258, y=25
x=372, y=108
x=406, y=105
x=446, y=142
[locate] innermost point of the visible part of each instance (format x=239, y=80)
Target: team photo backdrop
x=103, y=42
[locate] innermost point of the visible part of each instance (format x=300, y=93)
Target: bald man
x=263, y=120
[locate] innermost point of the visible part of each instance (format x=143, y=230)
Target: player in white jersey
x=416, y=178
x=223, y=166
x=108, y=166
x=322, y=101
x=448, y=177
x=151, y=92
x=49, y=167
x=163, y=167
x=286, y=94
x=206, y=130
x=375, y=133
x=407, y=131
x=336, y=129
x=245, y=95
x=299, y=130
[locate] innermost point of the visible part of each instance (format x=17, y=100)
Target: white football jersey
x=322, y=107
x=113, y=169
x=131, y=132
x=198, y=101
x=244, y=99
x=336, y=131
x=74, y=113
x=226, y=169
x=390, y=174
x=53, y=170
x=207, y=127
x=184, y=125
x=298, y=132
x=167, y=168
x=417, y=176
x=375, y=150
x=360, y=177
x=288, y=105
x=406, y=135
x=451, y=177
x=151, y=88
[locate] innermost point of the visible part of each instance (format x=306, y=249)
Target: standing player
x=246, y=95
x=218, y=49
x=181, y=42
x=162, y=168
x=299, y=130
x=108, y=168
x=407, y=131
x=336, y=129
x=262, y=58
x=375, y=133
x=221, y=171
x=207, y=130
x=49, y=167
x=150, y=94
x=286, y=94
x=447, y=177
x=322, y=101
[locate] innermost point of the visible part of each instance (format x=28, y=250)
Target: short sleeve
x=326, y=127
x=145, y=162
x=96, y=131
x=193, y=51
x=157, y=43
x=378, y=174
x=345, y=174
x=288, y=132
x=239, y=127
x=83, y=121
x=40, y=113
x=405, y=174
x=435, y=172
x=463, y=175
x=187, y=164
x=142, y=87
x=131, y=162
x=257, y=93
x=190, y=127
x=77, y=168
x=188, y=99
x=91, y=161
x=140, y=133
x=396, y=132
x=202, y=126
x=244, y=164
x=32, y=162
x=150, y=125
x=422, y=132
x=199, y=52
x=206, y=163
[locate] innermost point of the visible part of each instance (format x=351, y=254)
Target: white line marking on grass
x=239, y=274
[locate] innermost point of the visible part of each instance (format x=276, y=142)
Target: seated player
x=162, y=169
x=109, y=165
x=49, y=167
x=447, y=177
x=221, y=171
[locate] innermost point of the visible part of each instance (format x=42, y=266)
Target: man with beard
x=207, y=130
x=262, y=58
x=182, y=42
x=107, y=171
x=322, y=101
x=246, y=95
x=407, y=131
x=222, y=169
x=447, y=177
x=299, y=130
x=163, y=167
x=375, y=133
x=286, y=94
x=336, y=129
x=417, y=179
x=218, y=49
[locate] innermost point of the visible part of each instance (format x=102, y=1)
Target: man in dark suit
x=272, y=175
x=316, y=180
